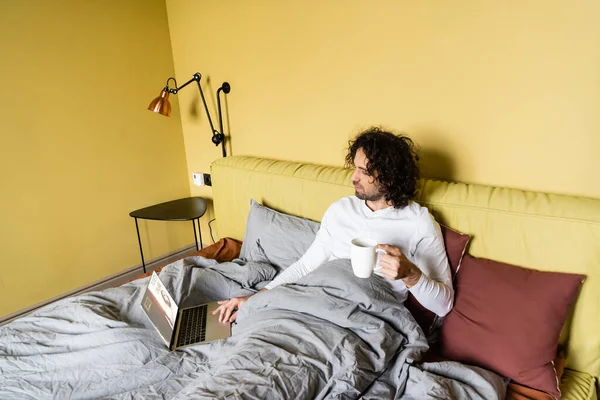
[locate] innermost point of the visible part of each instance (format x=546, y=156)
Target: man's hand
x=226, y=308
x=394, y=265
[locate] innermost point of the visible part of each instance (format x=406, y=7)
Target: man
x=385, y=181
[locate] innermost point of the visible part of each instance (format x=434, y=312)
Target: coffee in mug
x=364, y=256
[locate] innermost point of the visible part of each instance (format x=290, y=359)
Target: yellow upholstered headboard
x=534, y=230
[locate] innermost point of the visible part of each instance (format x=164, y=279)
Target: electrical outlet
x=198, y=178
x=201, y=179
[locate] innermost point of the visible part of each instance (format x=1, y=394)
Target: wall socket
x=201, y=179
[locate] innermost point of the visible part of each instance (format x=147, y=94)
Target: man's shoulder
x=414, y=210
x=421, y=214
x=344, y=204
x=346, y=201
x=418, y=208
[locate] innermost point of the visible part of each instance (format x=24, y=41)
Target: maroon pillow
x=456, y=245
x=508, y=319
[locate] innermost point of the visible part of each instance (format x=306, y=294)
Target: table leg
x=195, y=235
x=140, y=243
x=200, y=233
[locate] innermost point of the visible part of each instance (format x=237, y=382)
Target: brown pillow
x=508, y=319
x=520, y=392
x=224, y=250
x=456, y=245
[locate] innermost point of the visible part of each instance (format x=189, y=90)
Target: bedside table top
x=177, y=210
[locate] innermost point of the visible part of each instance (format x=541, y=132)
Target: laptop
x=181, y=327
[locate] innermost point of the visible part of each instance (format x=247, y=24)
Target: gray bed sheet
x=329, y=336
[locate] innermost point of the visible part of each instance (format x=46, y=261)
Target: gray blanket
x=331, y=335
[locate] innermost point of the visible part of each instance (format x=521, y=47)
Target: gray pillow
x=274, y=237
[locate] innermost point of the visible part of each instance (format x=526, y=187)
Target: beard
x=376, y=196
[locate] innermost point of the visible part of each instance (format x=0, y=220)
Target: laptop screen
x=160, y=307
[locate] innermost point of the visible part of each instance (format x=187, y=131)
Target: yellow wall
x=79, y=151
x=501, y=93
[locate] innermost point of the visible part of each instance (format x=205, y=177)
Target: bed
x=330, y=335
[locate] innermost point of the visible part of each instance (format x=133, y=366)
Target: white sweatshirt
x=412, y=229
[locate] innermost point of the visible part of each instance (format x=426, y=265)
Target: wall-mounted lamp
x=162, y=106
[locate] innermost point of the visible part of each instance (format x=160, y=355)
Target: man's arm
x=428, y=278
x=434, y=288
x=317, y=254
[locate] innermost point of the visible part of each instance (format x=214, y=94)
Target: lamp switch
x=201, y=179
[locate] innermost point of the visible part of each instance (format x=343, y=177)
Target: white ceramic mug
x=365, y=256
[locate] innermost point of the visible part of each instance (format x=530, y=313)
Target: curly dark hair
x=393, y=159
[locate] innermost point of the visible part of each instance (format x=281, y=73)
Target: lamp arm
x=167, y=86
x=212, y=128
x=195, y=78
x=217, y=136
x=219, y=109
x=225, y=88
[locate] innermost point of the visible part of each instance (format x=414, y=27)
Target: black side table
x=190, y=208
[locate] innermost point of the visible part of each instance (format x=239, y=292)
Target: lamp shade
x=161, y=104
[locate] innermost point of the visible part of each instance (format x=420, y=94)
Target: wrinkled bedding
x=330, y=335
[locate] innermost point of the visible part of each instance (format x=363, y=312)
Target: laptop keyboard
x=193, y=326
